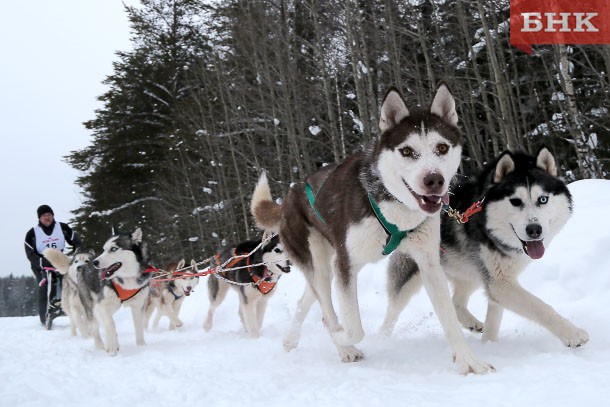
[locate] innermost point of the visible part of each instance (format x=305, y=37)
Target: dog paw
x=489, y=337
x=350, y=354
x=468, y=364
x=578, y=338
x=112, y=350
x=469, y=322
x=291, y=341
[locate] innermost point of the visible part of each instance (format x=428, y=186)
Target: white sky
x=54, y=56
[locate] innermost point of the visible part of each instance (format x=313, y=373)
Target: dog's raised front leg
x=462, y=290
x=424, y=246
x=511, y=295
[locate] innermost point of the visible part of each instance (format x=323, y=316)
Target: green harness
x=395, y=235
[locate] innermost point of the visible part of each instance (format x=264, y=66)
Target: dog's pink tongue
x=445, y=199
x=535, y=249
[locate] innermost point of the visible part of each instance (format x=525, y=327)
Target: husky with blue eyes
x=517, y=205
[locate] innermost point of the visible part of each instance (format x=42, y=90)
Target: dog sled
x=53, y=283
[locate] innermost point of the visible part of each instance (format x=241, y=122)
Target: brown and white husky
x=384, y=199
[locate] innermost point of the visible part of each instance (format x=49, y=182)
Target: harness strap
x=395, y=235
x=171, y=290
x=263, y=286
x=312, y=201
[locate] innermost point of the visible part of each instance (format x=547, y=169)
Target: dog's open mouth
x=533, y=248
x=429, y=203
x=187, y=291
x=285, y=269
x=109, y=271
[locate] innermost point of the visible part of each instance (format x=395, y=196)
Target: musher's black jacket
x=36, y=259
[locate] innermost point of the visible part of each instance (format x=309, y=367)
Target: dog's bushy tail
x=267, y=214
x=60, y=261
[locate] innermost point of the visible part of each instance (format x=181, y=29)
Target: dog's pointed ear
x=194, y=266
x=180, y=264
x=136, y=236
x=546, y=161
x=443, y=104
x=91, y=252
x=504, y=166
x=393, y=110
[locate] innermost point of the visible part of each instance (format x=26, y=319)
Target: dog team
x=399, y=198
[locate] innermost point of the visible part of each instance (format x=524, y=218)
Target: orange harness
x=261, y=284
x=123, y=293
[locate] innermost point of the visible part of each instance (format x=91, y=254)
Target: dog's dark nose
x=96, y=263
x=434, y=183
x=533, y=230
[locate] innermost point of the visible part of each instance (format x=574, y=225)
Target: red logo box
x=559, y=22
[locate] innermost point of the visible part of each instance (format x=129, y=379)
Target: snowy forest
x=214, y=92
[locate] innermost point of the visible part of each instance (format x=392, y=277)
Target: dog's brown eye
x=407, y=152
x=442, y=149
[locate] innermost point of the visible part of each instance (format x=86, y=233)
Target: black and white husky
x=254, y=277
x=167, y=296
x=125, y=277
x=385, y=199
x=524, y=205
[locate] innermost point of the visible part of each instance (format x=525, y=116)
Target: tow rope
x=462, y=218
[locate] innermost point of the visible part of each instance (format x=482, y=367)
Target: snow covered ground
x=411, y=368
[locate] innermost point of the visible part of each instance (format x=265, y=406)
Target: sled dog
x=79, y=275
x=385, y=199
x=523, y=206
x=167, y=296
x=253, y=277
x=125, y=277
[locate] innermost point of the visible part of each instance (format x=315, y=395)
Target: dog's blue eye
x=114, y=249
x=516, y=202
x=543, y=199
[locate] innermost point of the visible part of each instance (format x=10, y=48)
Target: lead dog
x=253, y=272
x=524, y=206
x=167, y=296
x=387, y=198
